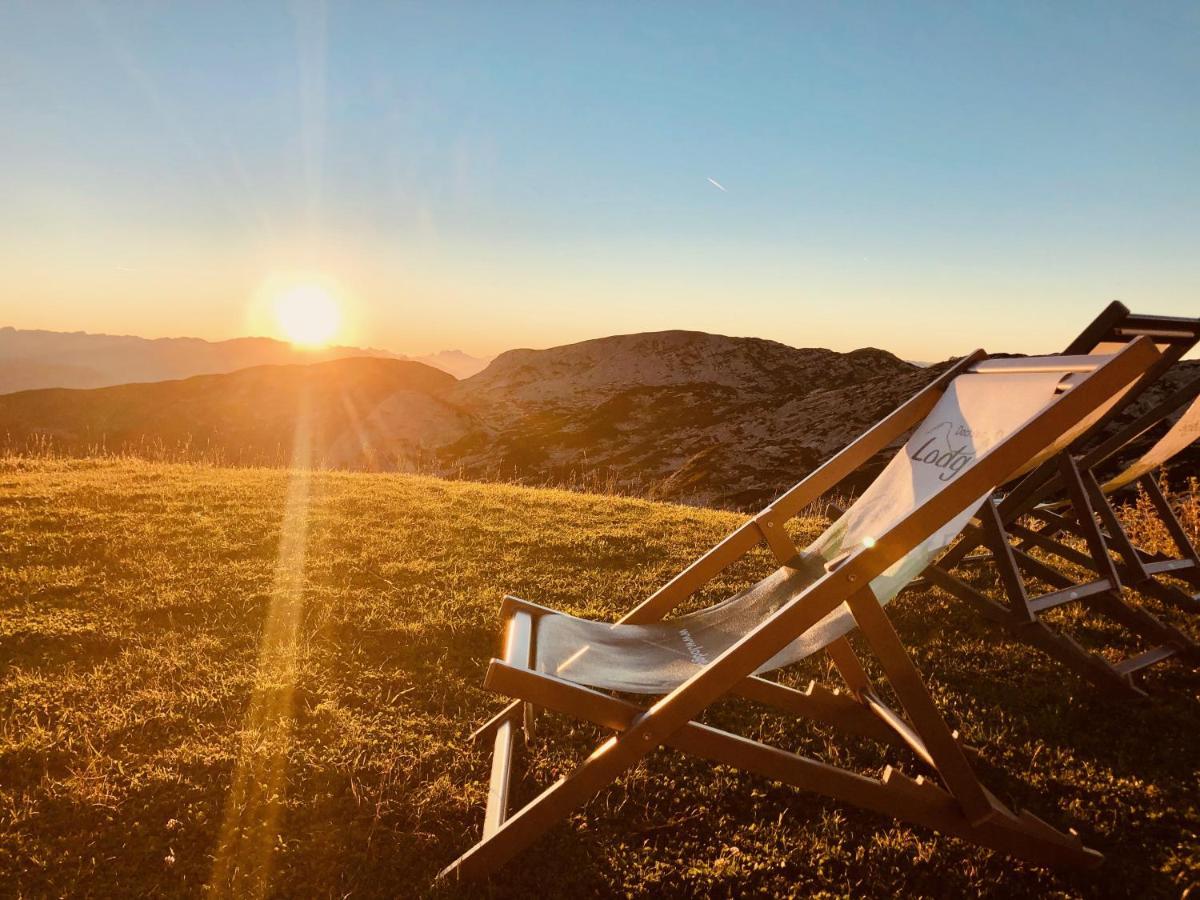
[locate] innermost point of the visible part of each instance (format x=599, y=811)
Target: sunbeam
x=250, y=829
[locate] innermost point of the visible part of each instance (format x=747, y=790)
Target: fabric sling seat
x=1182, y=434
x=981, y=423
x=656, y=657
x=1065, y=494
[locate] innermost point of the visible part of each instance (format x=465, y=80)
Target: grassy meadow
x=261, y=682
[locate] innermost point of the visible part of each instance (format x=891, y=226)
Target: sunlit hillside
x=263, y=681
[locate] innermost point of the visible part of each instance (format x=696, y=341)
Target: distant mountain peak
x=594, y=370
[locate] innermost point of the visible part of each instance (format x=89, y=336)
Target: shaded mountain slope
x=676, y=415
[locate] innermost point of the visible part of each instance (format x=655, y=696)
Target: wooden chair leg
x=996, y=538
x=517, y=651
x=943, y=746
x=1174, y=527
x=849, y=666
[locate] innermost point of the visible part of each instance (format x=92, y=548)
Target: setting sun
x=308, y=315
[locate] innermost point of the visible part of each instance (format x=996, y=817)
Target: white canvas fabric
x=1178, y=438
x=974, y=414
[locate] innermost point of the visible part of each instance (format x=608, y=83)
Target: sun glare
x=308, y=315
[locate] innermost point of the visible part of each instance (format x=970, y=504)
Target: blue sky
x=923, y=177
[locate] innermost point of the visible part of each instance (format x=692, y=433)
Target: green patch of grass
x=267, y=679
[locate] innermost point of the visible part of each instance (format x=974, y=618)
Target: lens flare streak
x=250, y=831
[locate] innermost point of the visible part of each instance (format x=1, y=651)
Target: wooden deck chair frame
x=1006, y=543
x=956, y=803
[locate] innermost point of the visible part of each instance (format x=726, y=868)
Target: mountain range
x=35, y=359
x=676, y=415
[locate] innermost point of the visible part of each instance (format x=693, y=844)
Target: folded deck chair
x=997, y=526
x=979, y=424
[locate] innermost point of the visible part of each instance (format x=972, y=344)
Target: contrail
x=717, y=185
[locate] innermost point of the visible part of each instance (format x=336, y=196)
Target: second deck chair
x=977, y=425
x=1108, y=553
x=998, y=524
x=1140, y=569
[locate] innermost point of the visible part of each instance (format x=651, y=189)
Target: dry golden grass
x=261, y=682
x=1146, y=528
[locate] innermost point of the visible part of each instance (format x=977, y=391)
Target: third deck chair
x=978, y=425
x=998, y=523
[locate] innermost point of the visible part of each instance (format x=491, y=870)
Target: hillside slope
x=267, y=679
x=327, y=414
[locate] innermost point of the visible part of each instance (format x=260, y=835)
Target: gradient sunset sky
x=925, y=178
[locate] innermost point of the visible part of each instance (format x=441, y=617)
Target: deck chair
x=1109, y=554
x=1066, y=480
x=1139, y=569
x=977, y=425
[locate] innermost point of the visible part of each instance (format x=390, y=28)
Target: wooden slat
x=1069, y=595
x=488, y=728
x=1038, y=569
x=848, y=665
x=1144, y=660
x=1074, y=363
x=903, y=730
x=817, y=703
x=1029, y=537
x=1100, y=329
x=1113, y=534
x=1085, y=518
x=1169, y=566
x=943, y=750
x=956, y=587
x=1089, y=666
